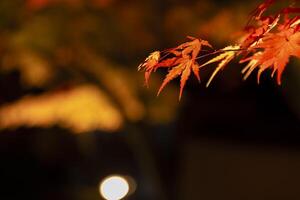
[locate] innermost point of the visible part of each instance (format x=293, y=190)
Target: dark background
x=233, y=140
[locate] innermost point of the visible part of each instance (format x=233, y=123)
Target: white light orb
x=114, y=188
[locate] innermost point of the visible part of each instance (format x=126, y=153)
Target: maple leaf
x=266, y=25
x=181, y=60
x=260, y=9
x=184, y=68
x=224, y=58
x=192, y=48
x=269, y=43
x=149, y=65
x=277, y=48
x=184, y=63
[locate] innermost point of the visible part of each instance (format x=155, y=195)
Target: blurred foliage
x=81, y=55
x=81, y=109
x=76, y=53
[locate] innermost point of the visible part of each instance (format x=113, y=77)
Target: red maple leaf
x=277, y=48
x=181, y=60
x=255, y=34
x=269, y=44
x=260, y=9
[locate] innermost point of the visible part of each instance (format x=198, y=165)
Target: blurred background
x=74, y=109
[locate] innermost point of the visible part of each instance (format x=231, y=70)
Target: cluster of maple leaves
x=269, y=42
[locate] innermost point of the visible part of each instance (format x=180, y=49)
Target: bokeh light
x=114, y=187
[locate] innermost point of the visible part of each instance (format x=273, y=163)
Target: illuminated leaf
x=261, y=8
x=181, y=60
x=268, y=44
x=149, y=65
x=255, y=34
x=277, y=48
x=183, y=69
x=224, y=58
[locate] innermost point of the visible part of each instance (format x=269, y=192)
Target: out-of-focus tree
x=75, y=53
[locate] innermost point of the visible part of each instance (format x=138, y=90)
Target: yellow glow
x=114, y=188
x=83, y=108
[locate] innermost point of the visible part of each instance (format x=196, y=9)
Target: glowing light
x=114, y=188
x=82, y=109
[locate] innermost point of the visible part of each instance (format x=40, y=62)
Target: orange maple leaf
x=184, y=68
x=228, y=53
x=277, y=48
x=181, y=60
x=149, y=65
x=255, y=34
x=184, y=63
x=269, y=43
